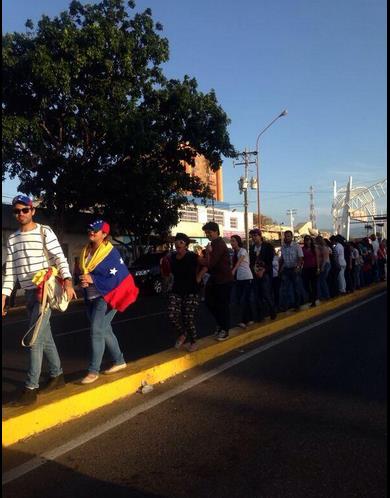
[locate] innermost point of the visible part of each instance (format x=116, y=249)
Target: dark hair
x=288, y=231
x=312, y=246
x=255, y=231
x=183, y=237
x=328, y=242
x=211, y=225
x=238, y=239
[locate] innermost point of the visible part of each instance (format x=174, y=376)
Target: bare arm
x=240, y=260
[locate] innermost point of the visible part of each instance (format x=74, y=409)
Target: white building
x=230, y=221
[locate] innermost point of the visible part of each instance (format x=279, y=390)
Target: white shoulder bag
x=56, y=294
x=53, y=296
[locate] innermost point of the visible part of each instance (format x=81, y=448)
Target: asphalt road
x=142, y=330
x=304, y=418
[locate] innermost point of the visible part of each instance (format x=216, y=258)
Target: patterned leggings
x=181, y=313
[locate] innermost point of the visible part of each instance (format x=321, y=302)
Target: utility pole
x=291, y=212
x=243, y=185
x=312, y=209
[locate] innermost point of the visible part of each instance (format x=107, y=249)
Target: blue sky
x=324, y=61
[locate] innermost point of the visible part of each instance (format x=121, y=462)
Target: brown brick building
x=211, y=178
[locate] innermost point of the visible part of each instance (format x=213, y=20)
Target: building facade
x=211, y=178
x=230, y=221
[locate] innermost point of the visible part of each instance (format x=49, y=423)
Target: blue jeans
x=290, y=276
x=102, y=335
x=243, y=294
x=323, y=289
x=264, y=296
x=44, y=344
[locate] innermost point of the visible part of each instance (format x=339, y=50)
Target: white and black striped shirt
x=25, y=256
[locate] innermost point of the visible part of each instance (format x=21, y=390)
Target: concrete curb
x=76, y=400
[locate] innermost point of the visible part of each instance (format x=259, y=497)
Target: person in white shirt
x=25, y=257
x=342, y=263
x=375, y=250
x=243, y=280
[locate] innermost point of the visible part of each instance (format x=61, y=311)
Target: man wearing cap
x=261, y=255
x=219, y=284
x=26, y=256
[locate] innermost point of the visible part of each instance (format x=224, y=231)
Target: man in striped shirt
x=26, y=256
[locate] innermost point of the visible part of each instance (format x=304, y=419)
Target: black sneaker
x=223, y=335
x=28, y=397
x=217, y=332
x=53, y=384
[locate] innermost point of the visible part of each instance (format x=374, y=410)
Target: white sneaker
x=115, y=368
x=250, y=323
x=242, y=325
x=88, y=379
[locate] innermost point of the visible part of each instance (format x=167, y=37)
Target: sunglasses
x=22, y=210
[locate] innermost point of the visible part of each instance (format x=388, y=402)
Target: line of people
x=263, y=283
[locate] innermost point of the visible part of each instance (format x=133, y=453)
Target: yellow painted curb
x=75, y=400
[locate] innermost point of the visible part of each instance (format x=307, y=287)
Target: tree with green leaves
x=90, y=122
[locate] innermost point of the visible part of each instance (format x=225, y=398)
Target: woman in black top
x=184, y=297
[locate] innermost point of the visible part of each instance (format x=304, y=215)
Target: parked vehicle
x=146, y=271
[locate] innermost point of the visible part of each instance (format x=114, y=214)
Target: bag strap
x=45, y=251
x=43, y=307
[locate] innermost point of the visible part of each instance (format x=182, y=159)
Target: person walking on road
x=243, y=280
x=183, y=300
x=26, y=249
x=108, y=288
x=218, y=287
x=291, y=261
x=311, y=269
x=261, y=255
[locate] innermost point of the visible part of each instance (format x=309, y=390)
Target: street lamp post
x=283, y=113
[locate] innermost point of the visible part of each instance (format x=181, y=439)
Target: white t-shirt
x=340, y=254
x=243, y=271
x=375, y=247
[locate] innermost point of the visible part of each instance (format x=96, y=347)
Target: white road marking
x=52, y=455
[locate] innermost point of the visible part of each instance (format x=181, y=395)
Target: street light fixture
x=283, y=113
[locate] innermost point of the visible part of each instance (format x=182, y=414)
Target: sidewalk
x=76, y=400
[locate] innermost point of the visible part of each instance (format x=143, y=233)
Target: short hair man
x=290, y=265
x=218, y=287
x=26, y=256
x=261, y=255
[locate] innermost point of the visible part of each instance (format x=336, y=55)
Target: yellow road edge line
x=46, y=416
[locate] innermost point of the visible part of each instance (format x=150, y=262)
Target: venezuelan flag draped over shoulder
x=111, y=277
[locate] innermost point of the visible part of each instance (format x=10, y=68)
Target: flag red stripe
x=122, y=296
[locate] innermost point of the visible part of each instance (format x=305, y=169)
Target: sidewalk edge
x=21, y=423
